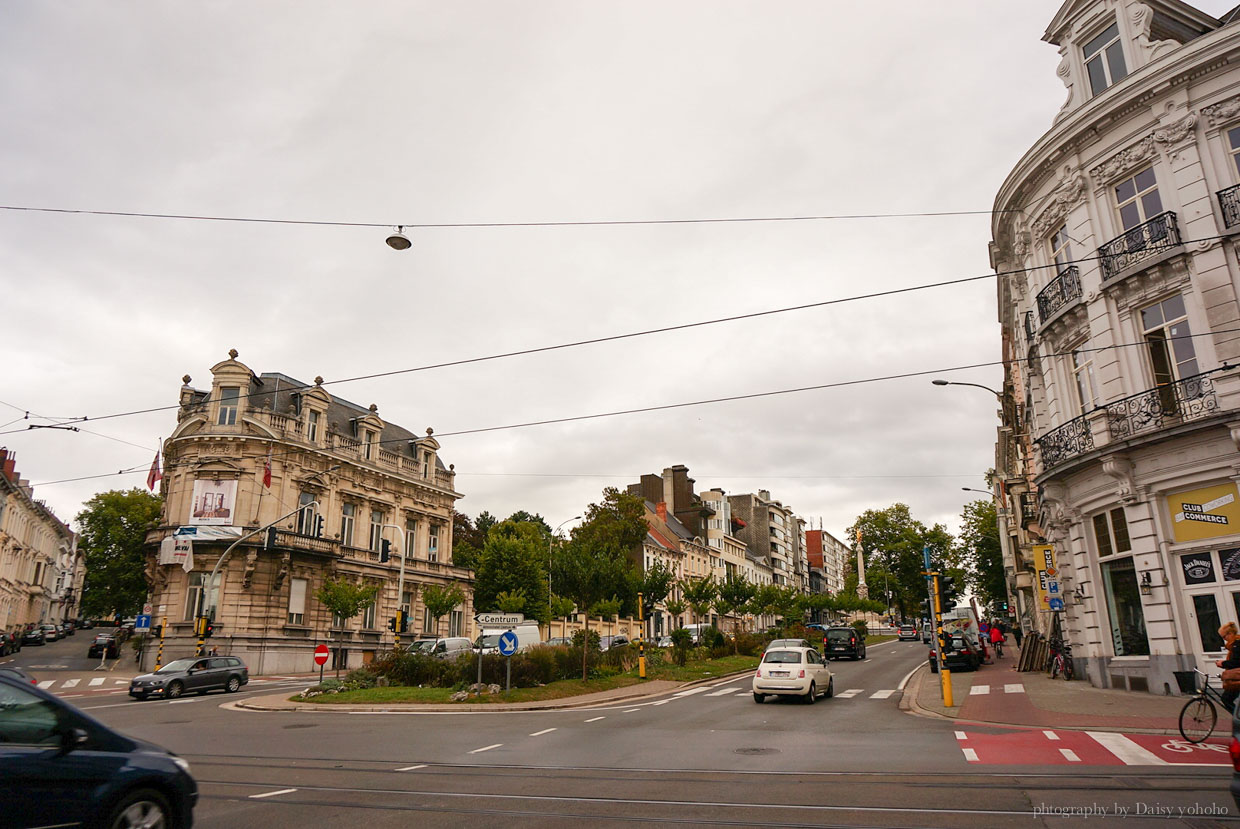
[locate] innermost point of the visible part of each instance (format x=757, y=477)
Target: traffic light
x=402, y=621
x=270, y=541
x=1003, y=606
x=208, y=629
x=947, y=592
x=385, y=550
x=318, y=526
x=392, y=624
x=158, y=632
x=927, y=609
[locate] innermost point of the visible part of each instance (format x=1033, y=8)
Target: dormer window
x=1104, y=60
x=229, y=397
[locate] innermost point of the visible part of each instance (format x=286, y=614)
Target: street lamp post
x=550, y=541
x=974, y=385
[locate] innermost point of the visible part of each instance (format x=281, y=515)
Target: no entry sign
x=320, y=655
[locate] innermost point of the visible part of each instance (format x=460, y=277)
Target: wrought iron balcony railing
x=1063, y=289
x=1166, y=405
x=1067, y=441
x=1141, y=242
x=1229, y=201
x=1028, y=508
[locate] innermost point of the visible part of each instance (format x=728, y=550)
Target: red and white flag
x=267, y=469
x=154, y=476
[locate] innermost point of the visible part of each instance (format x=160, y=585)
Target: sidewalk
x=999, y=695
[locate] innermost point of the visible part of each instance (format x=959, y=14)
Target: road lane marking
x=960, y=735
x=690, y=692
x=595, y=719
x=1014, y=688
x=907, y=677
x=1070, y=755
x=979, y=689
x=661, y=702
x=1126, y=750
x=631, y=710
x=881, y=694
x=95, y=682
x=544, y=731
x=851, y=692
x=47, y=683
x=271, y=794
x=413, y=768
x=70, y=683
x=180, y=701
x=1051, y=735
x=722, y=691
x=485, y=748
x=970, y=755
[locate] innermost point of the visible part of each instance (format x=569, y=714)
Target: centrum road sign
x=320, y=655
x=500, y=619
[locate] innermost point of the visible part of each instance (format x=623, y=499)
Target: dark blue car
x=60, y=767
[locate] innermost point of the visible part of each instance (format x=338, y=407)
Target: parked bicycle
x=1059, y=661
x=1199, y=716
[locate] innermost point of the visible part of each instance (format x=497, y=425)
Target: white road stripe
x=851, y=692
x=1014, y=688
x=1070, y=754
x=631, y=710
x=544, y=731
x=485, y=748
x=180, y=701
x=881, y=694
x=595, y=719
x=47, y=683
x=70, y=683
x=979, y=689
x=1126, y=750
x=120, y=682
x=690, y=692
x=721, y=692
x=271, y=794
x=97, y=681
x=660, y=702
x=413, y=768
x=970, y=755
x=907, y=677
x=1051, y=735
x=960, y=735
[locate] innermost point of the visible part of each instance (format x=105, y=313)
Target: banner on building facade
x=1209, y=512
x=214, y=502
x=1050, y=597
x=210, y=533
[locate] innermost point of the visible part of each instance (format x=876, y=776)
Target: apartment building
x=41, y=570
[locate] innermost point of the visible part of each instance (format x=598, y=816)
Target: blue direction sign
x=507, y=643
x=142, y=623
x=1056, y=604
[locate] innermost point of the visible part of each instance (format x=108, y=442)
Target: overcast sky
x=443, y=113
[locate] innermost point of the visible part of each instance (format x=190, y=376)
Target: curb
x=495, y=708
x=908, y=704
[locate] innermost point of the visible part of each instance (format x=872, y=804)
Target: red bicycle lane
x=1093, y=748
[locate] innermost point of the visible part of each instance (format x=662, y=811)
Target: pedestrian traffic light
x=158, y=632
x=270, y=540
x=927, y=609
x=385, y=550
x=1003, y=606
x=392, y=624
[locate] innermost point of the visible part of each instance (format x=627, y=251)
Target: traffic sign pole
x=159, y=655
x=641, y=639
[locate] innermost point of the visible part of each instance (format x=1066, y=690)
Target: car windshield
x=782, y=656
x=843, y=635
x=177, y=665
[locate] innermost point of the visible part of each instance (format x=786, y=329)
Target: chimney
x=661, y=509
x=669, y=491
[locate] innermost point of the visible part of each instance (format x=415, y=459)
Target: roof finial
x=232, y=352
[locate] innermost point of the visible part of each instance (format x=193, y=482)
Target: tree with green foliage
x=440, y=601
x=675, y=608
x=979, y=553
x=654, y=584
x=733, y=594
x=113, y=528
x=345, y=599
x=700, y=595
x=561, y=608
x=523, y=517
x=513, y=560
x=893, y=541
x=510, y=602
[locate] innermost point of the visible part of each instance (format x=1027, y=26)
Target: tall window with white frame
x=1137, y=199
x=1104, y=60
x=312, y=426
x=297, y=601
x=1061, y=248
x=376, y=529
x=1233, y=147
x=230, y=396
x=1083, y=372
x=432, y=544
x=308, y=517
x=1168, y=340
x=411, y=537
x=368, y=444
x=368, y=616
x=348, y=513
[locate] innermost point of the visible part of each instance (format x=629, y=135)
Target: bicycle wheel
x=1197, y=719
x=1068, y=671
x=1056, y=666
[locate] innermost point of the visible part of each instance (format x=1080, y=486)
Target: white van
x=963, y=621
x=695, y=632
x=528, y=635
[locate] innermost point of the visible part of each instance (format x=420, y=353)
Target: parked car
x=927, y=633
x=844, y=641
x=799, y=672
x=9, y=643
x=13, y=670
x=451, y=647
x=962, y=656
x=85, y=624
x=664, y=642
x=51, y=633
x=198, y=674
x=559, y=641
x=908, y=632
x=528, y=635
x=606, y=643
x=34, y=636
x=788, y=643
x=104, y=644
x=695, y=632
x=67, y=629
x=61, y=767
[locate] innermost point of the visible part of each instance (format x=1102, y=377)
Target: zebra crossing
x=100, y=684
x=730, y=688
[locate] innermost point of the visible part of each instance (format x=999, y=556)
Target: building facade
x=1115, y=247
x=41, y=571
x=771, y=532
x=334, y=481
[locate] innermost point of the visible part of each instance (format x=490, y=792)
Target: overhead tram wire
x=752, y=396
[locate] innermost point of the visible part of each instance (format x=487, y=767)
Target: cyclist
x=1232, y=646
x=996, y=638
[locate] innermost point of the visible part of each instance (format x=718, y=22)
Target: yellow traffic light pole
x=641, y=639
x=945, y=676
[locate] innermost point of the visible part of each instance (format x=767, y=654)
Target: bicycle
x=1199, y=716
x=1059, y=662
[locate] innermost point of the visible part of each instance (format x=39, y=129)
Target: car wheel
x=141, y=808
x=759, y=698
x=812, y=696
x=175, y=688
x=233, y=686
x=830, y=688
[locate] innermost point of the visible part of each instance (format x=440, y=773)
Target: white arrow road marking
x=485, y=748
x=271, y=794
x=544, y=731
x=413, y=768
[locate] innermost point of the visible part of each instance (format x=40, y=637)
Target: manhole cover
x=756, y=751
x=302, y=725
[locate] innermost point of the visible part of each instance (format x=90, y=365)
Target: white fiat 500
x=798, y=672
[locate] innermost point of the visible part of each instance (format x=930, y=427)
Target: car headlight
x=181, y=764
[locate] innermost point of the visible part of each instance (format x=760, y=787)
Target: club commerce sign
x=1210, y=512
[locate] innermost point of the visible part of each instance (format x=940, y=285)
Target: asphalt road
x=711, y=757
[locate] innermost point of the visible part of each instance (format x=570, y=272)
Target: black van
x=844, y=641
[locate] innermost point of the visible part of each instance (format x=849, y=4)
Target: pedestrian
x=1018, y=634
x=1232, y=647
x=996, y=639
x=215, y=650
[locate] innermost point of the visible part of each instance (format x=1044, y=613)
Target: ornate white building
x=41, y=570
x=1115, y=245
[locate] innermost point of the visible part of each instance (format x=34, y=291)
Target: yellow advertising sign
x=1047, y=574
x=1209, y=512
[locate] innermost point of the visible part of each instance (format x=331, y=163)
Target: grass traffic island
x=691, y=671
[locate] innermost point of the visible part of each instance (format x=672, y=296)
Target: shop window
x=1127, y=617
x=1205, y=608
x=1111, y=532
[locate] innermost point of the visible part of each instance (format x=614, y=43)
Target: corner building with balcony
x=1115, y=245
x=362, y=480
